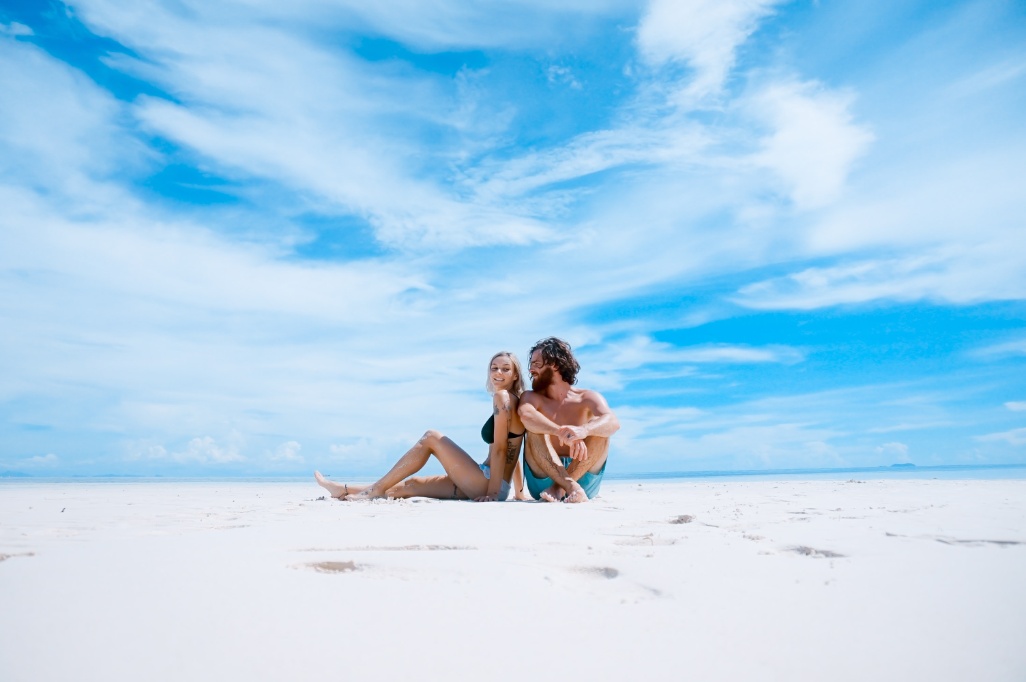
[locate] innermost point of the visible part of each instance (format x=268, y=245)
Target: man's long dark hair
x=558, y=352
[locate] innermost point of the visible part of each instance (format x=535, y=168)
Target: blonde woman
x=464, y=478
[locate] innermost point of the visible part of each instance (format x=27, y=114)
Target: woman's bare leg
x=461, y=468
x=339, y=490
x=437, y=487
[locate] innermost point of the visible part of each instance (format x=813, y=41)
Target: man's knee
x=598, y=450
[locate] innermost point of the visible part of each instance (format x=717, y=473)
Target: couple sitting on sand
x=567, y=434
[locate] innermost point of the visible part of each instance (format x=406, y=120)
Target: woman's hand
x=487, y=498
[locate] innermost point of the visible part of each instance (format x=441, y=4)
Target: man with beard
x=568, y=429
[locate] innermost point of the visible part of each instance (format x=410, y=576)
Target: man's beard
x=542, y=380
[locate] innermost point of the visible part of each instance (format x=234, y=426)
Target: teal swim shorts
x=589, y=481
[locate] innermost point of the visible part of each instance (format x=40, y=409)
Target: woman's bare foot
x=366, y=494
x=338, y=490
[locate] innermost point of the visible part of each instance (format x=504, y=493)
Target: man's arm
x=603, y=423
x=534, y=420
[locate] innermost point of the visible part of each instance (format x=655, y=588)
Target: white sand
x=792, y=580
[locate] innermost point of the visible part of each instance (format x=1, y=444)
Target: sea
x=897, y=471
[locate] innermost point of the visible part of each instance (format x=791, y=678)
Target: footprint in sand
x=392, y=548
x=683, y=518
x=647, y=540
x=979, y=543
x=816, y=553
x=598, y=571
x=4, y=557
x=957, y=541
x=333, y=566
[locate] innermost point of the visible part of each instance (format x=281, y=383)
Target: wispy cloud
x=288, y=452
x=1011, y=348
x=950, y=275
x=49, y=460
x=15, y=29
x=703, y=34
x=1012, y=437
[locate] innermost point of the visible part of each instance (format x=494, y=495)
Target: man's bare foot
x=337, y=490
x=577, y=494
x=553, y=493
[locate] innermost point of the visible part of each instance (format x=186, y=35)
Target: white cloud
x=587, y=154
x=704, y=34
x=15, y=29
x=364, y=449
x=450, y=25
x=777, y=445
x=989, y=77
x=814, y=140
x=895, y=450
x=1003, y=349
x=951, y=275
x=911, y=426
x=562, y=75
x=1012, y=437
x=48, y=460
x=58, y=129
x=205, y=450
x=312, y=120
x=615, y=364
x=288, y=452
x=137, y=451
x=1016, y=405
x=202, y=450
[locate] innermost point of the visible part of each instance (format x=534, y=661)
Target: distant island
x=903, y=465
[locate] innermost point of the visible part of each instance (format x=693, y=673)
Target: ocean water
x=947, y=472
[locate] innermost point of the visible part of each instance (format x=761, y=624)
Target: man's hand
x=574, y=437
x=569, y=434
x=578, y=449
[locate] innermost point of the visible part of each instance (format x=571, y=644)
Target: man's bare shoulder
x=593, y=399
x=530, y=397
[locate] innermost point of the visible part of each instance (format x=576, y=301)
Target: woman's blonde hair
x=517, y=388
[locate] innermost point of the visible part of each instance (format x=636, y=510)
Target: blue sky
x=255, y=238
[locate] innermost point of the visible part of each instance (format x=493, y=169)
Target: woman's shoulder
x=503, y=398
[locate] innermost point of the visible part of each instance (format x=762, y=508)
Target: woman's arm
x=501, y=407
x=518, y=484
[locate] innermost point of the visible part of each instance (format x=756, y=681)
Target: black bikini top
x=488, y=431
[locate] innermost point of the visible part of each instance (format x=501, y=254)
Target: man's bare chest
x=569, y=412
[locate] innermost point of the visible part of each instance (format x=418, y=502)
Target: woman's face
x=501, y=373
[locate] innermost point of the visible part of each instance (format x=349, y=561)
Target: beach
x=698, y=579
